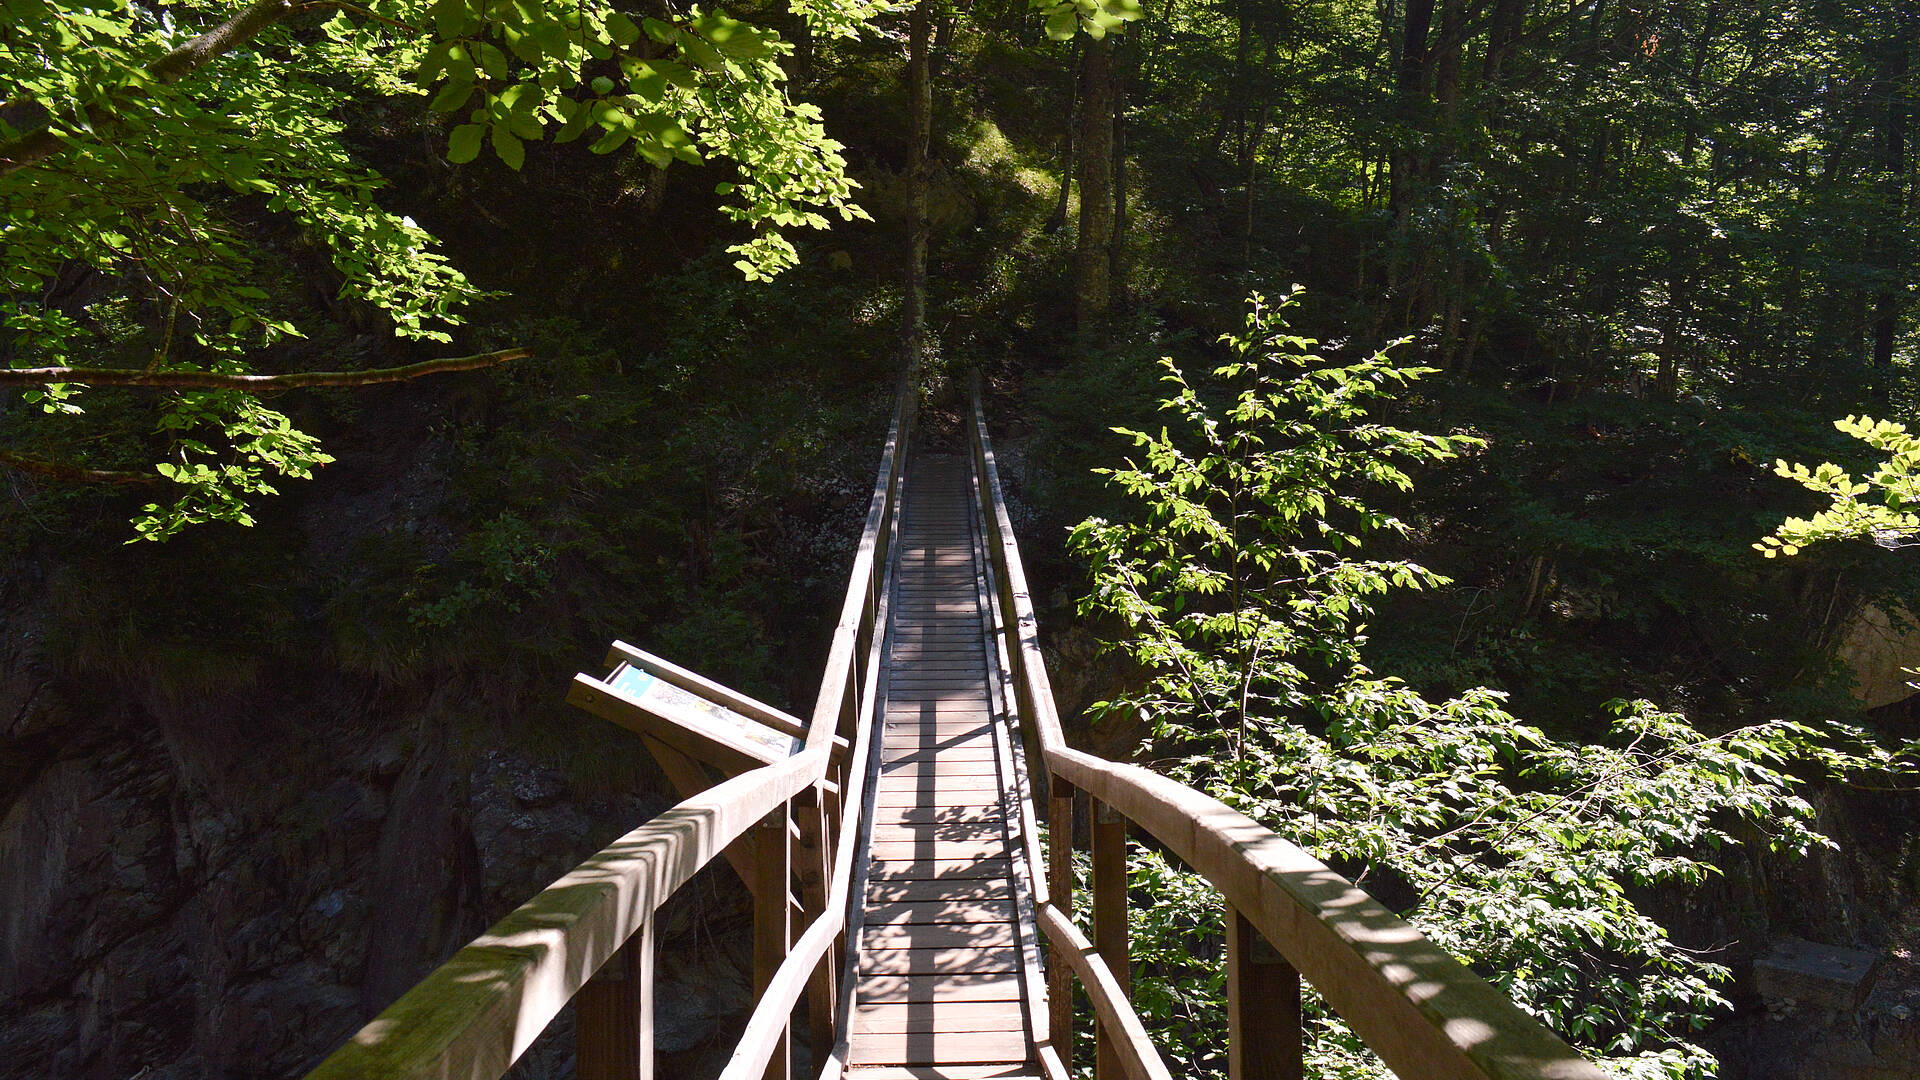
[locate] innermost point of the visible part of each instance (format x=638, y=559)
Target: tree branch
x=75, y=474
x=251, y=384
x=244, y=27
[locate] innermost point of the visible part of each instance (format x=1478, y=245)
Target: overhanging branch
x=31, y=149
x=251, y=384
x=75, y=474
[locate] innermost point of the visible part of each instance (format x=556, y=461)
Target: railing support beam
x=772, y=918
x=1110, y=920
x=814, y=871
x=613, y=1020
x=1263, y=1007
x=1060, y=890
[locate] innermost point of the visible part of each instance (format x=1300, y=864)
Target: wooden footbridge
x=894, y=853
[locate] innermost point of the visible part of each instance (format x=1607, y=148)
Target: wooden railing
x=1418, y=1008
x=589, y=936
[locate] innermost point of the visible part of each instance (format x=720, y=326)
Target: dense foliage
x=122, y=154
x=1242, y=586
x=1636, y=251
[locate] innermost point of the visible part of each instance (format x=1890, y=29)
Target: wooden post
x=772, y=919
x=1263, y=1007
x=1110, y=920
x=814, y=869
x=1060, y=886
x=613, y=1015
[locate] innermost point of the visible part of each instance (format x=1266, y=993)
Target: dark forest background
x=255, y=781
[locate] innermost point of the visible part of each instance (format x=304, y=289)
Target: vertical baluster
x=1110, y=919
x=1263, y=1007
x=813, y=870
x=613, y=1014
x=772, y=919
x=1060, y=888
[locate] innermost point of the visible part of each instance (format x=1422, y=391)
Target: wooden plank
x=961, y=961
x=945, y=1048
x=912, y=760
x=937, y=936
x=986, y=986
x=895, y=832
x=935, y=784
x=941, y=911
x=911, y=696
x=990, y=814
x=1263, y=1007
x=936, y=849
x=613, y=1014
x=914, y=796
x=883, y=892
x=945, y=1016
x=942, y=1072
x=937, y=869
x=964, y=832
x=907, y=749
x=906, y=739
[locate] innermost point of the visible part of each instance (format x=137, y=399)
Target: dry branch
x=75, y=474
x=251, y=384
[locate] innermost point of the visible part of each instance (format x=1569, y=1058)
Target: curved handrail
x=1421, y=1010
x=478, y=1012
x=761, y=1039
x=473, y=1016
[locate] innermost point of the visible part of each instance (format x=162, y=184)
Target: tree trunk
x=920, y=94
x=1092, y=257
x=1509, y=22
x=1058, y=218
x=1893, y=163
x=1410, y=90
x=1116, y=247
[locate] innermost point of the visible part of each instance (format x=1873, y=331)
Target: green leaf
x=611, y=141
x=453, y=19
x=452, y=96
x=493, y=61
x=431, y=65
x=508, y=147
x=623, y=30
x=464, y=144
x=1063, y=24
x=576, y=125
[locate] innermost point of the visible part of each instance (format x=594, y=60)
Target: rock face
x=1879, y=655
x=231, y=891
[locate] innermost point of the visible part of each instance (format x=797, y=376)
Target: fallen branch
x=75, y=474
x=251, y=384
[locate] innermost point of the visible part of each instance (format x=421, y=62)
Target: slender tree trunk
x=1410, y=88
x=920, y=106
x=1893, y=163
x=1092, y=258
x=1509, y=22
x=1058, y=218
x=1124, y=54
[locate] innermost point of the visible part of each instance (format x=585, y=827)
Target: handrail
x=473, y=1016
x=478, y=1012
x=1423, y=1012
x=761, y=1039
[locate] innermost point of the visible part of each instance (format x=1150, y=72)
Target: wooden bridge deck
x=944, y=957
x=932, y=880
